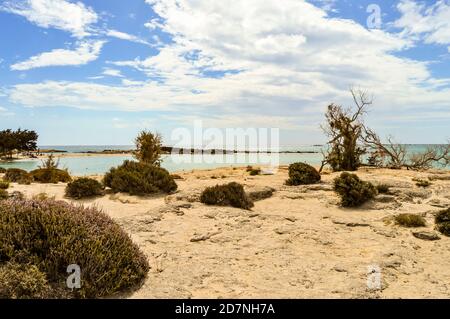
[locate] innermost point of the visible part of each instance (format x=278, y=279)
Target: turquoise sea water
x=99, y=164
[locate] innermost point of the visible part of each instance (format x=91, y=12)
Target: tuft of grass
x=3, y=194
x=4, y=185
x=382, y=189
x=353, y=191
x=422, y=182
x=231, y=194
x=442, y=220
x=51, y=235
x=410, y=220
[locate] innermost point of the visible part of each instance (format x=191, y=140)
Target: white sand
x=297, y=244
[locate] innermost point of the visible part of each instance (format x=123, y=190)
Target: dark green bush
x=3, y=194
x=4, y=184
x=410, y=220
x=444, y=228
x=231, y=194
x=422, y=183
x=17, y=175
x=443, y=216
x=383, y=189
x=302, y=174
x=54, y=234
x=23, y=281
x=50, y=175
x=353, y=191
x=84, y=188
x=442, y=220
x=2, y=170
x=138, y=178
x=255, y=172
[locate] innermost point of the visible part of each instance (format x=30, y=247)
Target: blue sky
x=97, y=72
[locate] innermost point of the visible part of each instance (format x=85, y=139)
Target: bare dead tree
x=344, y=128
x=394, y=155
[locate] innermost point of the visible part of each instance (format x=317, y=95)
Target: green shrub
x=50, y=175
x=442, y=220
x=302, y=174
x=3, y=194
x=444, y=228
x=139, y=179
x=249, y=168
x=421, y=182
x=2, y=170
x=17, y=175
x=443, y=216
x=353, y=191
x=383, y=189
x=54, y=234
x=4, y=185
x=410, y=220
x=231, y=194
x=22, y=281
x=176, y=176
x=255, y=172
x=84, y=188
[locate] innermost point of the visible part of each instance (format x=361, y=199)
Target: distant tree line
x=17, y=141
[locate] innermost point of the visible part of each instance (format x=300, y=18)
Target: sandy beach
x=297, y=243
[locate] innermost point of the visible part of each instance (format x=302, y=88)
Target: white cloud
x=112, y=72
x=430, y=22
x=85, y=52
x=5, y=112
x=72, y=17
x=274, y=59
x=125, y=36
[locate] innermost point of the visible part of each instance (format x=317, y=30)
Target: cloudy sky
x=96, y=72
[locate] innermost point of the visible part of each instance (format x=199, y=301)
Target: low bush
x=176, y=176
x=410, y=220
x=444, y=228
x=383, y=189
x=443, y=216
x=421, y=182
x=231, y=194
x=3, y=194
x=84, y=188
x=442, y=220
x=51, y=235
x=4, y=185
x=2, y=170
x=255, y=172
x=353, y=191
x=23, y=281
x=139, y=179
x=17, y=175
x=302, y=174
x=50, y=175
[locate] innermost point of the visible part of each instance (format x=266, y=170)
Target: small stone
x=424, y=235
x=291, y=219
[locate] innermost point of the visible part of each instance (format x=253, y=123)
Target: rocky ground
x=297, y=242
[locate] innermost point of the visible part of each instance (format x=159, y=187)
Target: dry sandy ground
x=296, y=244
